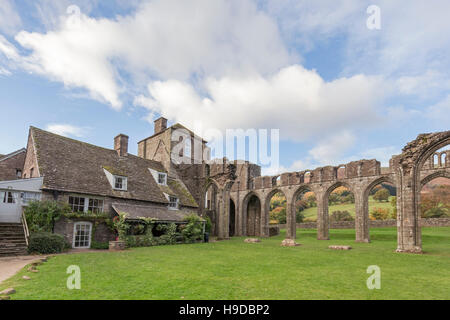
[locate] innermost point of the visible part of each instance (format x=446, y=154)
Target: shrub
x=379, y=214
x=341, y=216
x=41, y=215
x=439, y=212
x=208, y=225
x=394, y=207
x=121, y=226
x=193, y=230
x=99, y=245
x=45, y=243
x=299, y=217
x=382, y=195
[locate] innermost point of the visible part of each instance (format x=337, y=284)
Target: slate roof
x=74, y=166
x=135, y=212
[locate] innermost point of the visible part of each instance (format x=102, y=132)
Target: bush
x=379, y=214
x=299, y=217
x=341, y=216
x=193, y=230
x=99, y=245
x=439, y=212
x=382, y=195
x=41, y=215
x=45, y=243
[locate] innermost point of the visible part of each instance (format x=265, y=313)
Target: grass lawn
x=312, y=212
x=237, y=270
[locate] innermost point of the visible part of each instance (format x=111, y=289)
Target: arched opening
x=232, y=219
x=444, y=159
x=211, y=207
x=305, y=206
x=277, y=208
x=382, y=201
x=341, y=172
x=253, y=216
x=341, y=204
x=435, y=197
x=435, y=160
x=307, y=177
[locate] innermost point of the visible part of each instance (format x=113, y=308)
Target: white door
x=82, y=235
x=10, y=207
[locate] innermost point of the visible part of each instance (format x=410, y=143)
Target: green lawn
x=237, y=270
x=312, y=212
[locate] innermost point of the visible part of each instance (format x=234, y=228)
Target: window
x=31, y=172
x=162, y=178
x=9, y=197
x=29, y=196
x=95, y=205
x=173, y=202
x=81, y=204
x=18, y=173
x=77, y=204
x=120, y=183
x=82, y=235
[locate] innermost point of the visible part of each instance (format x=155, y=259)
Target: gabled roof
x=74, y=166
x=12, y=154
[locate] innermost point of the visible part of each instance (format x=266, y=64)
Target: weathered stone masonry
x=239, y=183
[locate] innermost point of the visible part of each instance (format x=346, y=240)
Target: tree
x=379, y=214
x=382, y=195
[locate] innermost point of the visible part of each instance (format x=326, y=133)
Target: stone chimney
x=160, y=125
x=121, y=145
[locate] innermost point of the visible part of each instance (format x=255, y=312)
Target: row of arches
x=249, y=212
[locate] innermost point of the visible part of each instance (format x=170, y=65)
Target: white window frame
x=165, y=178
x=124, y=183
x=79, y=223
x=177, y=203
x=86, y=203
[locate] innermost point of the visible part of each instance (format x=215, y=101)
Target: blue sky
x=336, y=90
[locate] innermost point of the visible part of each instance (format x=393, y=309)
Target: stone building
x=173, y=176
x=11, y=165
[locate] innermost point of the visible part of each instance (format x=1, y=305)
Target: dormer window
x=120, y=183
x=173, y=203
x=162, y=178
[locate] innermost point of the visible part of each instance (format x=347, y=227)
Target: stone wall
x=442, y=222
x=65, y=226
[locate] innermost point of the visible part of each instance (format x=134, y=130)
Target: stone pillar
x=361, y=218
x=323, y=224
x=408, y=216
x=291, y=226
x=265, y=219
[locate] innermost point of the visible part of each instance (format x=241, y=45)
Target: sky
x=342, y=81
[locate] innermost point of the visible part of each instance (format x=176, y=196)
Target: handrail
x=25, y=228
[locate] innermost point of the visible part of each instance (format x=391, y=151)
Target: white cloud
x=66, y=130
x=440, y=113
x=166, y=39
x=330, y=150
x=10, y=21
x=295, y=99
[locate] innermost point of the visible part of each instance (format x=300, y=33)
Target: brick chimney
x=160, y=125
x=121, y=145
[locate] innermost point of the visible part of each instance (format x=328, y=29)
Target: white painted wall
x=11, y=212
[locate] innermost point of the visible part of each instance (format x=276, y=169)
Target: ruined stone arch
x=408, y=166
x=301, y=189
x=334, y=186
x=432, y=176
x=374, y=183
x=252, y=214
